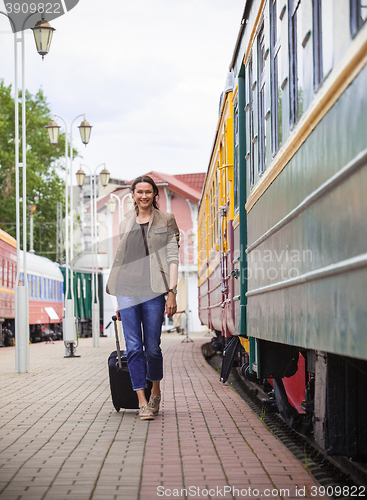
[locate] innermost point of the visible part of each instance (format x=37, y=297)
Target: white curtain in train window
x=327, y=12
x=300, y=57
x=276, y=91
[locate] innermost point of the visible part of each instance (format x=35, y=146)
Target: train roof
x=8, y=239
x=41, y=266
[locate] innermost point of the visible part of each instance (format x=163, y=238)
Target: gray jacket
x=163, y=243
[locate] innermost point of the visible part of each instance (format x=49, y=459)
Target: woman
x=145, y=269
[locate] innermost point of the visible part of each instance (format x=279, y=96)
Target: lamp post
x=189, y=234
x=41, y=31
x=105, y=178
x=112, y=204
x=53, y=129
x=32, y=209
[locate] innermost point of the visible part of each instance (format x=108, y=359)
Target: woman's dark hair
x=146, y=178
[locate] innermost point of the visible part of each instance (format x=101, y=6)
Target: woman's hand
x=118, y=315
x=171, y=306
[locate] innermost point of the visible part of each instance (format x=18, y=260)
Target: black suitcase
x=122, y=392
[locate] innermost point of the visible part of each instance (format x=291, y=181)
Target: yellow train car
x=215, y=227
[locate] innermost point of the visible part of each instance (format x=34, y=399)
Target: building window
x=276, y=91
x=358, y=14
x=322, y=39
x=261, y=98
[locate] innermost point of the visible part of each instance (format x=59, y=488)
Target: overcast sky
x=147, y=73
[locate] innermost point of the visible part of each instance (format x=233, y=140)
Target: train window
x=5, y=271
x=261, y=97
x=276, y=91
x=295, y=61
x=236, y=159
x=251, y=124
x=358, y=15
x=211, y=218
x=323, y=39
x=216, y=205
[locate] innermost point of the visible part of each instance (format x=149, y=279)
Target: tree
x=45, y=188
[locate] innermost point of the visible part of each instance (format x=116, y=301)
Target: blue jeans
x=142, y=324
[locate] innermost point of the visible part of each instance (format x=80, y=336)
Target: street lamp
x=85, y=130
x=21, y=290
x=112, y=204
x=69, y=330
x=43, y=35
x=105, y=178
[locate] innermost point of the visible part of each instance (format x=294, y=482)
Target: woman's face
x=143, y=194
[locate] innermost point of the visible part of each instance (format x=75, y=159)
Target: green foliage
x=44, y=186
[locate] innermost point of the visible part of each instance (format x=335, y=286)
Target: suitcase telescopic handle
x=114, y=319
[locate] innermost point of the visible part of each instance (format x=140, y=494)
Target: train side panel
x=307, y=244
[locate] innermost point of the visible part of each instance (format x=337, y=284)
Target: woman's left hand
x=171, y=306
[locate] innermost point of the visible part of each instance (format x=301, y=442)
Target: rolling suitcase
x=122, y=392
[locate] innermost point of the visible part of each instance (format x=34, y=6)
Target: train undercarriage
x=318, y=394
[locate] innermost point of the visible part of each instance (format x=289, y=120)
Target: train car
x=46, y=295
x=215, y=218
x=300, y=171
x=8, y=272
x=82, y=287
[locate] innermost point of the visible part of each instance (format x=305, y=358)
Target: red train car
x=45, y=291
x=8, y=272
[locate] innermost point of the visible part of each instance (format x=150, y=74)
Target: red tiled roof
x=194, y=180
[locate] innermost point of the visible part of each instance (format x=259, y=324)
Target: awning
x=52, y=314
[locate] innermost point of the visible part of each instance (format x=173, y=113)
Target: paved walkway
x=60, y=437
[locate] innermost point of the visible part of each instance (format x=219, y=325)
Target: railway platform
x=61, y=439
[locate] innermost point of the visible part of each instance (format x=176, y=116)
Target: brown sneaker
x=154, y=404
x=145, y=413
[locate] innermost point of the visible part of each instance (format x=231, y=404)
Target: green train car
x=82, y=286
x=295, y=284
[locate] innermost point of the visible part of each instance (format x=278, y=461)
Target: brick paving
x=60, y=437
